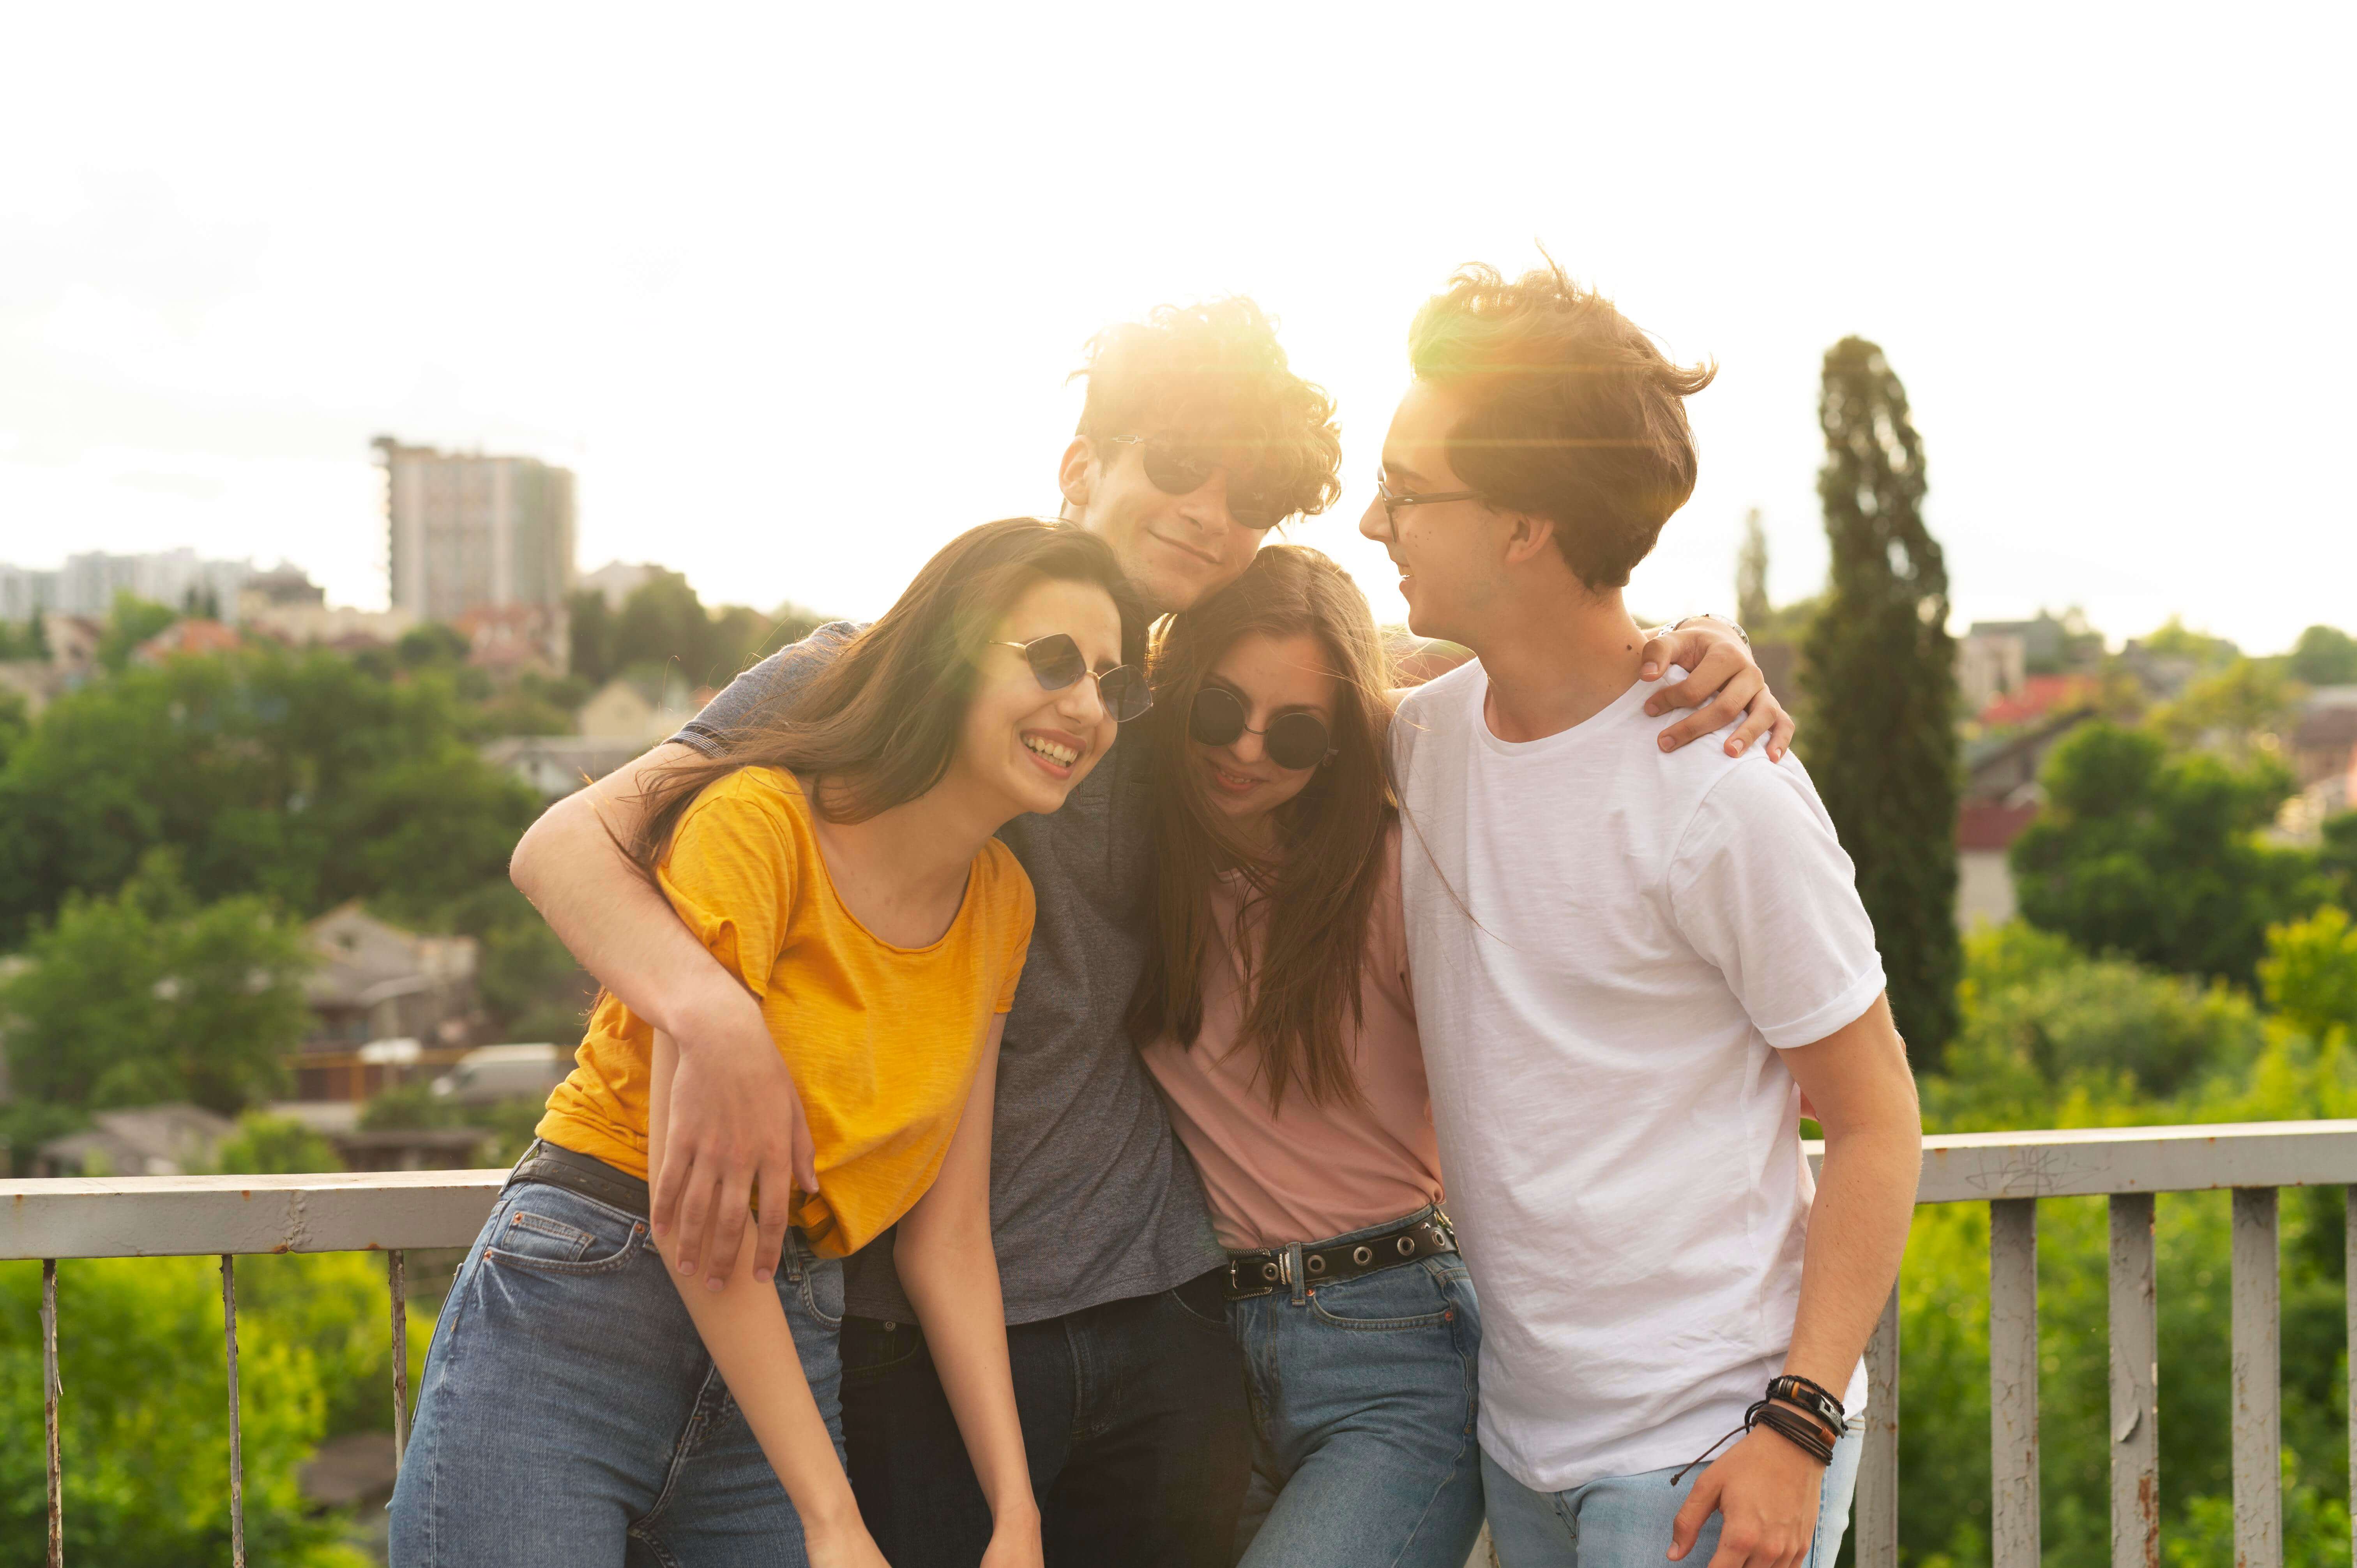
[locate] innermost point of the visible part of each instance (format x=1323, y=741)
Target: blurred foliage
x=2310, y=973
x=2242, y=710
x=144, y=1414
x=2159, y=858
x=663, y=625
x=264, y=1144
x=2052, y=1038
x=2175, y=640
x=2324, y=656
x=507, y=1124
x=27, y=639
x=131, y=622
x=144, y=996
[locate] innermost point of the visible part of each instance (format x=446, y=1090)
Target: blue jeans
x=1363, y=1404
x=1623, y=1521
x=1132, y=1415
x=570, y=1418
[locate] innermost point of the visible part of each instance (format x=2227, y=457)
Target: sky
x=795, y=291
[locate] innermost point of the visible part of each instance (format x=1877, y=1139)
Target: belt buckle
x=1239, y=1292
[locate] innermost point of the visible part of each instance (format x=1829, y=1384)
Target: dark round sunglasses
x=1182, y=467
x=1056, y=661
x=1296, y=741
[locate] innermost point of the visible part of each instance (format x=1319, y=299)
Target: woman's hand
x=1724, y=679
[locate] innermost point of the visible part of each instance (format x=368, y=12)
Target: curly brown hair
x=1213, y=374
x=1574, y=414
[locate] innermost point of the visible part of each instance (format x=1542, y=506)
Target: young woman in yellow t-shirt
x=586, y=1404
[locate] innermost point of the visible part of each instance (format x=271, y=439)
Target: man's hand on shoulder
x=1767, y=1492
x=736, y=1120
x=1722, y=680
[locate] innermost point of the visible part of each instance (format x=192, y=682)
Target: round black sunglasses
x=1296, y=741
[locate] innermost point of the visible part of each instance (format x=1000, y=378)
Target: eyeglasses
x=1181, y=469
x=1296, y=741
x=1056, y=661
x=1394, y=499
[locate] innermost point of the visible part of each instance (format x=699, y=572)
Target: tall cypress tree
x=1880, y=674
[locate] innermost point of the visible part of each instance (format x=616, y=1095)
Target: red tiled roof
x=1985, y=824
x=2040, y=695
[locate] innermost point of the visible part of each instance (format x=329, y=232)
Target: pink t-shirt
x=1310, y=1171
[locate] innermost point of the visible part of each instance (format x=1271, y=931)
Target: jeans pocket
x=873, y=1351
x=557, y=1232
x=822, y=1288
x=1389, y=1299
x=1203, y=1300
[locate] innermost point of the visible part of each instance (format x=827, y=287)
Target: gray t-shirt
x=1091, y=1199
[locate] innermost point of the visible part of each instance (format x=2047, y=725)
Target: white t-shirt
x=1620, y=1141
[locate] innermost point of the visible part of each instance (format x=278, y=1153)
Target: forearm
x=612, y=919
x=950, y=1273
x=744, y=1329
x=1857, y=1230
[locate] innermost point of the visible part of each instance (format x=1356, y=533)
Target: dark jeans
x=1134, y=1422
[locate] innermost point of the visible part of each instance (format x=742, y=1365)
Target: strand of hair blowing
x=878, y=726
x=1300, y=938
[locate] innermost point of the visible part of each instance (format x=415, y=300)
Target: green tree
x=145, y=1417
x=146, y=997
x=2309, y=975
x=275, y=1146
x=2158, y=857
x=663, y=623
x=589, y=634
x=1881, y=680
x=131, y=622
x=296, y=776
x=2174, y=639
x=2242, y=708
x=1752, y=606
x=2324, y=656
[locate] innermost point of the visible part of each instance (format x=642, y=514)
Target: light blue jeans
x=569, y=1417
x=1623, y=1521
x=1363, y=1406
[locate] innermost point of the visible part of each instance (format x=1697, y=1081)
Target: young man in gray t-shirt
x=1195, y=440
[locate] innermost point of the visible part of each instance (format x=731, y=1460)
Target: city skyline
x=789, y=343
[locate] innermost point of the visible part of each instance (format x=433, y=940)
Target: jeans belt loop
x=1294, y=1274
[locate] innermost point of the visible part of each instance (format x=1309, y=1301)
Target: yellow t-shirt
x=883, y=1041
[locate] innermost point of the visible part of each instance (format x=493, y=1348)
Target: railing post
x=236, y=1459
x=396, y=1284
x=2135, y=1387
x=53, y=1392
x=2349, y=1280
x=2258, y=1371
x=1877, y=1468
x=2012, y=1383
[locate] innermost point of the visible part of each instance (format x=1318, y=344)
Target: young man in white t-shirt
x=1630, y=965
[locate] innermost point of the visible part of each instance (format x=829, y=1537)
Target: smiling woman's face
x=1271, y=676
x=1023, y=743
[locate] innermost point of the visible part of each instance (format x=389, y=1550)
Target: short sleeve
x=773, y=680
x=729, y=874
x=1761, y=887
x=1018, y=929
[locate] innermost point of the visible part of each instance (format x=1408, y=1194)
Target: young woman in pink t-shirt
x=1276, y=1014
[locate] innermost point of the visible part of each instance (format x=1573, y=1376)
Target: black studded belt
x=1268, y=1272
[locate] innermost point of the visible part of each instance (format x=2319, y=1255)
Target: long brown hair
x=1315, y=897
x=879, y=724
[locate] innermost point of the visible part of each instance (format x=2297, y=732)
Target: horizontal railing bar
x=151, y=1216
x=1973, y=1167
x=133, y=1217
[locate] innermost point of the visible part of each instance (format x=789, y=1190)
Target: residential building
x=2324, y=741
x=1984, y=834
x=376, y=981
x=192, y=635
x=337, y=626
x=557, y=765
x=179, y=578
x=25, y=592
x=2039, y=697
x=149, y=1140
x=645, y=708
x=1989, y=665
x=284, y=587
x=466, y=532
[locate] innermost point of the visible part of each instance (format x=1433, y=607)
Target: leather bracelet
x=1793, y=1428
x=1812, y=1397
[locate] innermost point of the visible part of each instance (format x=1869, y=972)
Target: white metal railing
x=395, y=1211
